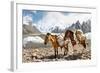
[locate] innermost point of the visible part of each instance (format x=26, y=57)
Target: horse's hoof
x=64, y=54
x=55, y=57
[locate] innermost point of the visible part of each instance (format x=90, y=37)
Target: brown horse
x=54, y=41
x=70, y=35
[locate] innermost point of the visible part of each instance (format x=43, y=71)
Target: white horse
x=65, y=44
x=81, y=38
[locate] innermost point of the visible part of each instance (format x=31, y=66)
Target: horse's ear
x=48, y=34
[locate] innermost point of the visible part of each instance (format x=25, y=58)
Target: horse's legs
x=85, y=44
x=55, y=52
x=66, y=50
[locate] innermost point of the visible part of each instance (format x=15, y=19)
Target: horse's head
x=69, y=34
x=78, y=32
x=46, y=38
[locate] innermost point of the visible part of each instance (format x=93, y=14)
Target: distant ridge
x=28, y=29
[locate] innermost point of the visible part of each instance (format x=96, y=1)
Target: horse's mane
x=70, y=34
x=56, y=39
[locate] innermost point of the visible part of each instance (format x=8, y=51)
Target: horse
x=54, y=41
x=70, y=35
x=63, y=43
x=81, y=38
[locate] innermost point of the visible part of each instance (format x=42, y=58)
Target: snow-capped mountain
x=51, y=21
x=57, y=21
x=85, y=26
x=74, y=26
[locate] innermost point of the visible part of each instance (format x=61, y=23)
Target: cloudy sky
x=41, y=19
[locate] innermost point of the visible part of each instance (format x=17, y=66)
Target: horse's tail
x=84, y=45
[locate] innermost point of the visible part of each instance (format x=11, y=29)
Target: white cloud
x=76, y=16
x=27, y=19
x=52, y=19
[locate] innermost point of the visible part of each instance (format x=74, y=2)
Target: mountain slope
x=28, y=29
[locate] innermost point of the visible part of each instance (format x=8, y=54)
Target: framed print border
x=16, y=43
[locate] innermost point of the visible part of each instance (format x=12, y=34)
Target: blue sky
x=35, y=14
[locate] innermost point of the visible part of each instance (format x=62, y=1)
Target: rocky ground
x=47, y=54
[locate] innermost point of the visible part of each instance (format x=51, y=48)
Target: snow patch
x=35, y=39
x=88, y=35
